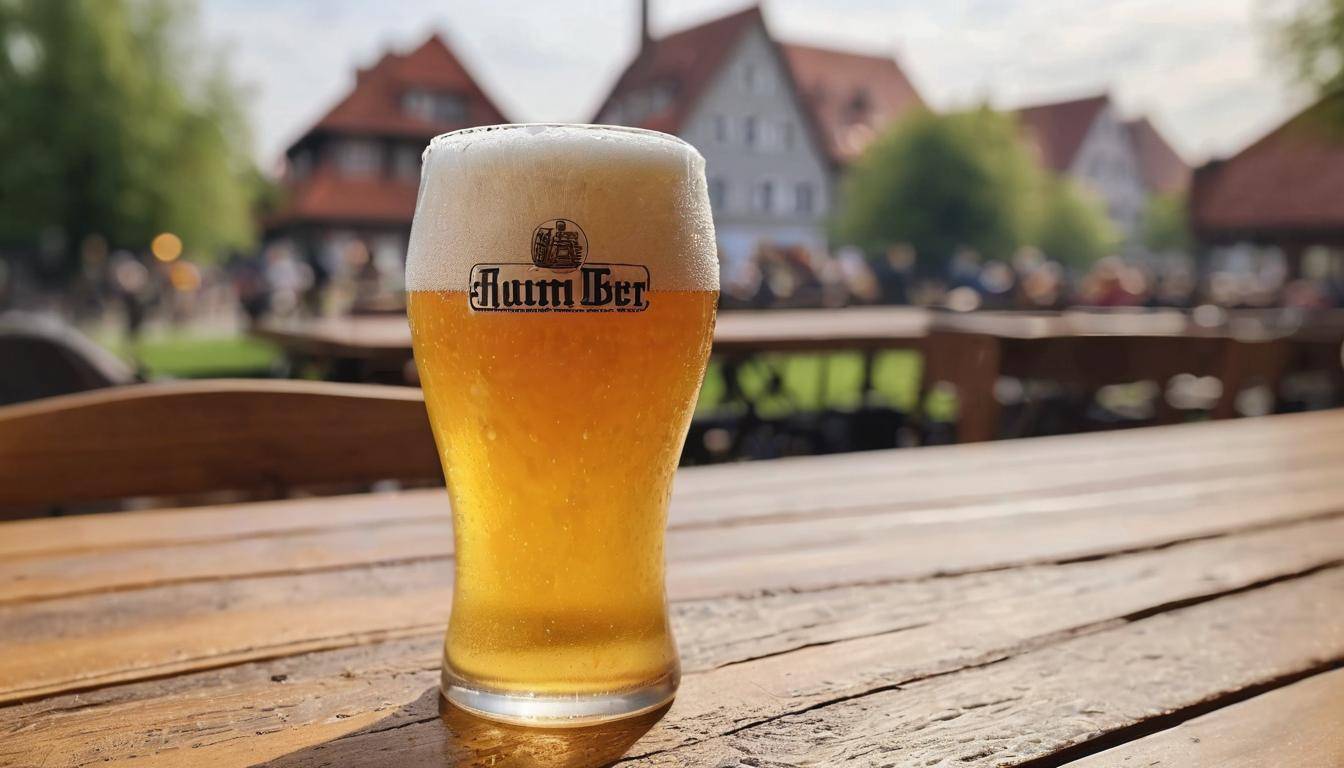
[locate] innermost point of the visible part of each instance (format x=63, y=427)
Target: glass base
x=556, y=711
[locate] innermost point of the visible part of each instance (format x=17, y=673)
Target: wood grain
x=1062, y=695
x=796, y=552
x=1301, y=725
x=747, y=657
x=926, y=479
x=191, y=437
x=1102, y=587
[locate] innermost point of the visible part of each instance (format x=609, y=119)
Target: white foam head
x=639, y=197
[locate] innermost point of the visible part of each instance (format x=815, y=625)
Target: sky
x=1204, y=71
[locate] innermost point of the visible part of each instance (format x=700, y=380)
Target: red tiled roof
x=1058, y=129
x=374, y=105
x=374, y=108
x=1289, y=184
x=327, y=197
x=834, y=82
x=686, y=61
x=1162, y=169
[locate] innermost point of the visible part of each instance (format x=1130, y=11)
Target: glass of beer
x=562, y=284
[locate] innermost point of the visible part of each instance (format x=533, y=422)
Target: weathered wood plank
x=1031, y=530
x=892, y=549
x=1301, y=725
x=900, y=488
x=998, y=712
x=1038, y=703
x=45, y=537
x=747, y=658
x=104, y=638
x=709, y=495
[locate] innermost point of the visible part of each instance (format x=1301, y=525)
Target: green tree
x=1166, y=224
x=1072, y=227
x=939, y=183
x=1313, y=41
x=117, y=123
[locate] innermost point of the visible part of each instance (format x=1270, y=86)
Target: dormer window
x=860, y=104
x=434, y=106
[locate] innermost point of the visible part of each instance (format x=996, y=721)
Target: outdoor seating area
x=955, y=367
x=647, y=384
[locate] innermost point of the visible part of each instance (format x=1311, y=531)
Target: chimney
x=644, y=36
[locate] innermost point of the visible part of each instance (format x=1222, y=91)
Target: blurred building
x=1123, y=162
x=1285, y=190
x=776, y=122
x=351, y=180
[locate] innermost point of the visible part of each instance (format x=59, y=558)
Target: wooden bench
x=270, y=437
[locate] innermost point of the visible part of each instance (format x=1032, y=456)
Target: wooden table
x=1168, y=596
x=1089, y=350
x=970, y=351
x=389, y=336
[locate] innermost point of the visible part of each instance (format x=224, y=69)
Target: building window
x=718, y=194
x=763, y=199
x=750, y=130
x=721, y=129
x=434, y=106
x=750, y=78
x=406, y=162
x=757, y=80
x=359, y=158
x=660, y=98
x=804, y=198
x=859, y=106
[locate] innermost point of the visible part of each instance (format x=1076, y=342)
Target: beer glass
x=562, y=285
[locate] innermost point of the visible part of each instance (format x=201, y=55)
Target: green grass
x=814, y=381
x=809, y=381
x=188, y=356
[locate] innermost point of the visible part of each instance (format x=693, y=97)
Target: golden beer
x=562, y=288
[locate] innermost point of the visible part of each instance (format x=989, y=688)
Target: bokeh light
x=166, y=247
x=185, y=277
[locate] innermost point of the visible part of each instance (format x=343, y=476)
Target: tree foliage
x=1072, y=227
x=1166, y=224
x=944, y=182
x=1313, y=40
x=939, y=183
x=117, y=123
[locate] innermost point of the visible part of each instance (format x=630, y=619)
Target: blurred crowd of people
x=796, y=277
x=132, y=289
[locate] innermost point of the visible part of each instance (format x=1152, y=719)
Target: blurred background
x=225, y=188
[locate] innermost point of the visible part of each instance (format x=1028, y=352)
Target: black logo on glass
x=559, y=244
x=558, y=279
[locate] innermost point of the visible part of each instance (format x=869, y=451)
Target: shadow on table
x=409, y=738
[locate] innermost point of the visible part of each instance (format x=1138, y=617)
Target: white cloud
x=1198, y=68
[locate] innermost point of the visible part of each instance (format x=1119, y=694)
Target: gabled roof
x=329, y=198
x=853, y=97
x=1162, y=169
x=1058, y=129
x=374, y=106
x=686, y=61
x=1288, y=185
